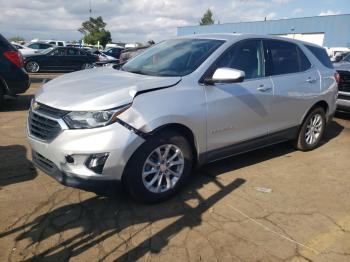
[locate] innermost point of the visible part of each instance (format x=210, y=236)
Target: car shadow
x=19, y=103
x=100, y=218
x=15, y=167
x=333, y=130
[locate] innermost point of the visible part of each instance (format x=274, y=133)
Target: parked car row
x=60, y=59
x=38, y=56
x=32, y=48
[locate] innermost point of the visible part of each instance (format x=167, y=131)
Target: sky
x=142, y=20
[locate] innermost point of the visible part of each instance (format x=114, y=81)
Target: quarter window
x=246, y=56
x=321, y=55
x=284, y=58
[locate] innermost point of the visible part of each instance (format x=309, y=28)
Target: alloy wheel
x=314, y=129
x=32, y=67
x=163, y=168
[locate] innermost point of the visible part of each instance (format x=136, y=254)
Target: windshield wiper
x=140, y=72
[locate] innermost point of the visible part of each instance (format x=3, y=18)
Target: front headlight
x=84, y=119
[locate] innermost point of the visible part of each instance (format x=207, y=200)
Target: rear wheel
x=159, y=167
x=312, y=130
x=32, y=67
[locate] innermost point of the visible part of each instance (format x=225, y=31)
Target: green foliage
x=207, y=18
x=17, y=39
x=94, y=31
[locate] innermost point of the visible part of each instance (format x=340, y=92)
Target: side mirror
x=226, y=75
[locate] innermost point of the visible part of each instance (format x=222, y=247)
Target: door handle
x=311, y=80
x=263, y=88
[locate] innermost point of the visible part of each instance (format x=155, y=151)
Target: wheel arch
x=322, y=103
x=183, y=130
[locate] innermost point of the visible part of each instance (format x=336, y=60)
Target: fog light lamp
x=96, y=162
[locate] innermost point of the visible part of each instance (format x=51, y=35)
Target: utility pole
x=90, y=10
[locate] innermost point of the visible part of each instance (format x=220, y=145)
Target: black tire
x=134, y=170
x=2, y=99
x=32, y=67
x=301, y=143
x=86, y=66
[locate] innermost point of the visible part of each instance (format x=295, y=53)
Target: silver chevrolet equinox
x=180, y=104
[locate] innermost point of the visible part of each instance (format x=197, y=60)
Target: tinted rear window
x=5, y=45
x=285, y=58
x=321, y=55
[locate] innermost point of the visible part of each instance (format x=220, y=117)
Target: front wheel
x=159, y=167
x=312, y=130
x=32, y=67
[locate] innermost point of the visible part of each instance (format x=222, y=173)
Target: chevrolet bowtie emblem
x=36, y=106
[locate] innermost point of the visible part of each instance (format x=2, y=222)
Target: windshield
x=347, y=58
x=177, y=57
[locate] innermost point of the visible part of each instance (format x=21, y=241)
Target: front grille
x=47, y=110
x=344, y=84
x=42, y=127
x=43, y=163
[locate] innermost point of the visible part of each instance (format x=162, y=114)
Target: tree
x=207, y=18
x=94, y=31
x=17, y=39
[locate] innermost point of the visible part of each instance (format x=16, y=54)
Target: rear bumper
x=343, y=101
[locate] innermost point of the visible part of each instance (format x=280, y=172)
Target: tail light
x=14, y=57
x=337, y=78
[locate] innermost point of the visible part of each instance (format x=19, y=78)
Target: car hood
x=98, y=89
x=345, y=66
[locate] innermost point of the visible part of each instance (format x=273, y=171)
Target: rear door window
x=284, y=58
x=321, y=55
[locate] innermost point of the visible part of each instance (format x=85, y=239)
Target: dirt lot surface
x=219, y=216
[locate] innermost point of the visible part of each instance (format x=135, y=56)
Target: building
x=327, y=31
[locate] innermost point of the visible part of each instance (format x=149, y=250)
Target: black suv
x=13, y=78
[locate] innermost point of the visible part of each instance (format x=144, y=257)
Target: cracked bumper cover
x=114, y=139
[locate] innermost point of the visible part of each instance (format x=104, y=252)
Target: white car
x=181, y=103
x=24, y=50
x=32, y=48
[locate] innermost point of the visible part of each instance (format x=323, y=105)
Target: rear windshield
x=5, y=45
x=321, y=55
